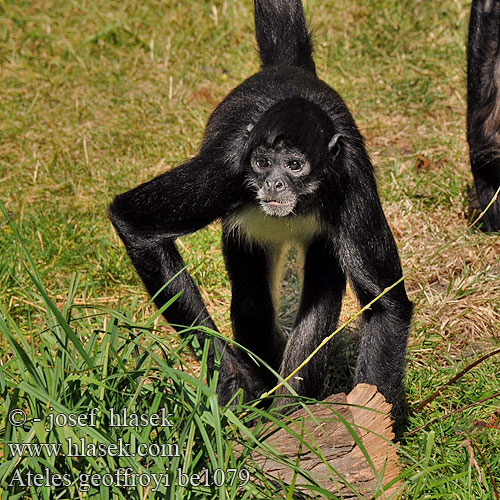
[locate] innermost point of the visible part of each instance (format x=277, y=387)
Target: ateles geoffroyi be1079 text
x=281, y=162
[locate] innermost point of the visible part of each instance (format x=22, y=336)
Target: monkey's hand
x=237, y=374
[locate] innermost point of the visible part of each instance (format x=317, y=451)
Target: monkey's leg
x=250, y=268
x=483, y=106
x=322, y=292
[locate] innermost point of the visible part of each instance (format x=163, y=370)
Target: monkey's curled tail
x=282, y=34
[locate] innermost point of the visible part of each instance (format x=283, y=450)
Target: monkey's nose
x=277, y=186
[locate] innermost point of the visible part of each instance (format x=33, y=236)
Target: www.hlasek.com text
x=83, y=448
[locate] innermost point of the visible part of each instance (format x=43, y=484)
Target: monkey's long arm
x=370, y=257
x=150, y=217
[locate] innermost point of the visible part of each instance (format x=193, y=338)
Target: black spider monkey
x=483, y=106
x=281, y=162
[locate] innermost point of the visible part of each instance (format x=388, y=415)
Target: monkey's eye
x=294, y=165
x=263, y=162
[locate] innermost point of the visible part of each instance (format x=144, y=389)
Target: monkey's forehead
x=280, y=147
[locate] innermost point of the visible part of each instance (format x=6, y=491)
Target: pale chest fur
x=255, y=226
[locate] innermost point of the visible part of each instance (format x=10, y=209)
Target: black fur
x=305, y=125
x=282, y=34
x=337, y=219
x=483, y=106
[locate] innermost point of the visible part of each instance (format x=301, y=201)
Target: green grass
x=99, y=96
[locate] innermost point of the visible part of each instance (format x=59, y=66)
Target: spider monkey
x=281, y=162
x=483, y=106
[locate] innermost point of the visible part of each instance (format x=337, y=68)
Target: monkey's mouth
x=277, y=208
x=277, y=203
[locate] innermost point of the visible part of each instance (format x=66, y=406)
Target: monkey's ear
x=333, y=145
x=249, y=127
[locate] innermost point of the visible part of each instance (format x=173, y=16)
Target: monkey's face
x=281, y=176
